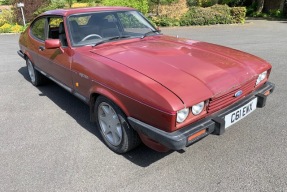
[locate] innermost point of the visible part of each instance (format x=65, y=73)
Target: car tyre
x=36, y=77
x=116, y=132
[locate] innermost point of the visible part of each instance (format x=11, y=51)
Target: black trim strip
x=21, y=54
x=67, y=88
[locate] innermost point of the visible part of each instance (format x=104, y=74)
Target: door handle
x=41, y=48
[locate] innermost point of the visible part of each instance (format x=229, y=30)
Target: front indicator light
x=267, y=93
x=199, y=133
x=198, y=108
x=261, y=77
x=182, y=115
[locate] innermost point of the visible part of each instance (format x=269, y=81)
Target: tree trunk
x=285, y=8
x=260, y=5
x=281, y=6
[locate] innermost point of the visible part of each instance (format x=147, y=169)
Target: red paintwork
x=150, y=79
x=52, y=44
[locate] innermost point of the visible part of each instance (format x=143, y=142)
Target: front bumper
x=214, y=123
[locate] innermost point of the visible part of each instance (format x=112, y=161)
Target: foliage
x=192, y=3
x=271, y=14
x=9, y=28
x=217, y=14
x=276, y=13
x=90, y=1
x=5, y=28
x=80, y=5
x=4, y=2
x=232, y=3
x=6, y=17
x=53, y=5
x=238, y=14
x=173, y=10
x=141, y=5
x=30, y=7
x=162, y=1
x=70, y=2
x=165, y=21
x=208, y=3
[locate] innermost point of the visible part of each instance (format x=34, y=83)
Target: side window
x=54, y=26
x=38, y=29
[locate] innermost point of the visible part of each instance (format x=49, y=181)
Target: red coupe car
x=142, y=85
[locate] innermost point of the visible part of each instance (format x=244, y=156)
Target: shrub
x=217, y=14
x=207, y=3
x=238, y=14
x=10, y=28
x=6, y=17
x=16, y=28
x=175, y=9
x=276, y=13
x=165, y=21
x=80, y=5
x=141, y=5
x=5, y=28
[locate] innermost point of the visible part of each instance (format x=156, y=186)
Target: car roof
x=71, y=11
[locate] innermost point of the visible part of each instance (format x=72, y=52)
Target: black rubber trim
x=21, y=54
x=214, y=123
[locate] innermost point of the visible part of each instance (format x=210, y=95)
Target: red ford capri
x=141, y=85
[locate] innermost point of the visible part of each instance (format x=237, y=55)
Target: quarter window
x=38, y=29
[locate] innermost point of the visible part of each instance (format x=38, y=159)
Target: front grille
x=222, y=101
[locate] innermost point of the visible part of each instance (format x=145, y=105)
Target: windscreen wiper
x=111, y=38
x=150, y=32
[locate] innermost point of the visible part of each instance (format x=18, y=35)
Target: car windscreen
x=94, y=28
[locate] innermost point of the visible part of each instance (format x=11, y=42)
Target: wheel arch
x=109, y=94
x=27, y=55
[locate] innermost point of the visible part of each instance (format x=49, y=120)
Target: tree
x=30, y=7
x=268, y=5
x=260, y=5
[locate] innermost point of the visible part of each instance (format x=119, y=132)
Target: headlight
x=197, y=109
x=182, y=115
x=261, y=77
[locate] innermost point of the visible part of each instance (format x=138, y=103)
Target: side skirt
x=72, y=91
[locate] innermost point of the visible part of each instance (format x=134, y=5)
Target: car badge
x=238, y=93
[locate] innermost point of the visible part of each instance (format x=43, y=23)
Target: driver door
x=56, y=62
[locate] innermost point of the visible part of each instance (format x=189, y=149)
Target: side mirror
x=52, y=44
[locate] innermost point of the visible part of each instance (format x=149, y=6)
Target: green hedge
x=216, y=14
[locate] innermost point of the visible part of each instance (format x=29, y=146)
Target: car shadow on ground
x=141, y=156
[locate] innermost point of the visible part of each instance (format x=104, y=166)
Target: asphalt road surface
x=48, y=144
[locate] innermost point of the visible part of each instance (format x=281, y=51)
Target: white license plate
x=240, y=113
